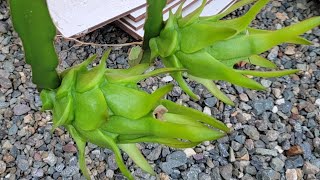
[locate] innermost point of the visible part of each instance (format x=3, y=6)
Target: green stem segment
x=153, y=25
x=33, y=23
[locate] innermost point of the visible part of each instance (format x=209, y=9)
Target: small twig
x=81, y=43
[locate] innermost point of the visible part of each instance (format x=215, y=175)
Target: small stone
x=244, y=97
x=177, y=156
x=51, y=159
x=37, y=173
x=21, y=109
x=5, y=83
x=204, y=176
x=282, y=16
x=223, y=151
x=154, y=154
x=211, y=101
x=309, y=168
x=252, y=132
x=232, y=157
x=279, y=149
x=266, y=83
x=3, y=167
x=294, y=162
x=251, y=170
x=317, y=102
x=193, y=173
x=275, y=109
x=164, y=176
x=176, y=159
x=207, y=111
x=294, y=150
x=266, y=152
x=13, y=130
x=277, y=164
x=272, y=135
x=109, y=173
x=198, y=157
x=6, y=145
x=23, y=164
x=290, y=50
x=69, y=148
x=280, y=101
x=3, y=27
x=273, y=53
x=112, y=162
x=261, y=106
x=69, y=171
x=276, y=92
x=302, y=67
x=167, y=79
x=189, y=152
x=291, y=174
x=268, y=174
x=226, y=171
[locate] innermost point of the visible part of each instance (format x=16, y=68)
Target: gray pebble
x=193, y=173
x=112, y=164
x=266, y=83
x=272, y=135
x=21, y=109
x=273, y=53
x=277, y=164
x=215, y=174
x=37, y=172
x=3, y=167
x=263, y=105
x=268, y=174
x=226, y=171
x=69, y=171
x=154, y=154
x=251, y=170
x=309, y=168
x=211, y=101
x=13, y=130
x=23, y=164
x=51, y=159
x=294, y=162
x=251, y=132
x=266, y=152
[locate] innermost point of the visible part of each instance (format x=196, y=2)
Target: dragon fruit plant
x=209, y=47
x=105, y=106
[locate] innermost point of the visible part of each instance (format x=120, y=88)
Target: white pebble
x=280, y=101
x=279, y=149
x=317, y=102
x=167, y=79
x=275, y=109
x=207, y=110
x=189, y=152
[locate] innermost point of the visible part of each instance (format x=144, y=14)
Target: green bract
x=105, y=107
x=209, y=47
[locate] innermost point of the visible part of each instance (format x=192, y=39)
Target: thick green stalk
x=32, y=21
x=153, y=25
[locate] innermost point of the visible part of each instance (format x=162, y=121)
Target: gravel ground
x=276, y=133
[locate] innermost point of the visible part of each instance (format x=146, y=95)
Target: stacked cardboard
x=78, y=17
